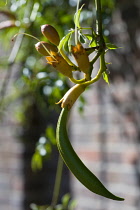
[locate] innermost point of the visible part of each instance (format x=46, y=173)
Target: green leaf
x=77, y=17
x=36, y=162
x=93, y=43
x=105, y=77
x=51, y=134
x=89, y=36
x=92, y=39
x=65, y=200
x=33, y=206
x=82, y=39
x=48, y=148
x=111, y=46
x=72, y=205
x=65, y=41
x=59, y=207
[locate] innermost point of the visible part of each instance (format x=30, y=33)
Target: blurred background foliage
x=36, y=86
x=36, y=83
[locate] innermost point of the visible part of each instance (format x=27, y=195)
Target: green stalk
x=76, y=30
x=99, y=30
x=101, y=70
x=57, y=182
x=98, y=17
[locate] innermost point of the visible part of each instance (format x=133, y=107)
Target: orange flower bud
x=40, y=47
x=50, y=33
x=59, y=63
x=81, y=57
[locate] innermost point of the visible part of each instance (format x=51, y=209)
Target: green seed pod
x=51, y=34
x=40, y=47
x=74, y=163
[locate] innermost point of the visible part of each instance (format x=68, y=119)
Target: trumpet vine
x=57, y=56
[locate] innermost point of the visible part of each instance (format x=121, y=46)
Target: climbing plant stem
x=99, y=73
x=76, y=30
x=98, y=17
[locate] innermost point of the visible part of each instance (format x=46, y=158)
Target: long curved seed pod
x=73, y=162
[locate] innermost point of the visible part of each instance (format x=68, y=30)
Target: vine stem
x=99, y=30
x=101, y=70
x=98, y=17
x=76, y=31
x=101, y=51
x=57, y=182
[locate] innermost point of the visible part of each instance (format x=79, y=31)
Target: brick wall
x=105, y=137
x=10, y=167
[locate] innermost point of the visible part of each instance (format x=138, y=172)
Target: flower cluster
x=57, y=58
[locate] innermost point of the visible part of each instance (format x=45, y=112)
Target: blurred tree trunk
x=38, y=186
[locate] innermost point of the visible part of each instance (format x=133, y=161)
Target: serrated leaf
x=69, y=42
x=77, y=17
x=82, y=40
x=111, y=46
x=105, y=77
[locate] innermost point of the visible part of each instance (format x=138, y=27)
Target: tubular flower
x=72, y=95
x=51, y=34
x=40, y=47
x=59, y=63
x=81, y=57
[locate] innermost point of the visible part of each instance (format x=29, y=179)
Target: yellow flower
x=81, y=57
x=59, y=63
